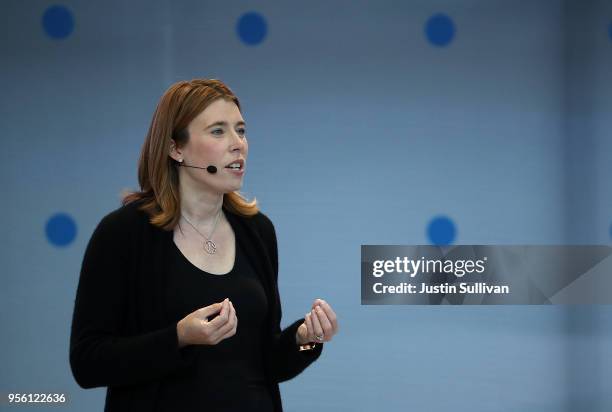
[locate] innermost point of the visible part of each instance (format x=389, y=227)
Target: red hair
x=157, y=172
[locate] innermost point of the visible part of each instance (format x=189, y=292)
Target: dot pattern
x=252, y=28
x=440, y=30
x=61, y=229
x=441, y=231
x=58, y=22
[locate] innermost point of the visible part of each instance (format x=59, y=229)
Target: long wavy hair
x=157, y=172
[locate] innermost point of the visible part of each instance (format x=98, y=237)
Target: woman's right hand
x=196, y=329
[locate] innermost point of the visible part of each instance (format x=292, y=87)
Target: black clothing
x=229, y=376
x=121, y=335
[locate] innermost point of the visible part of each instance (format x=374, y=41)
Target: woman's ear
x=175, y=153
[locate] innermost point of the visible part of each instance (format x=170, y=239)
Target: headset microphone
x=210, y=169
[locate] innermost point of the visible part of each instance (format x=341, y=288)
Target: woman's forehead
x=220, y=110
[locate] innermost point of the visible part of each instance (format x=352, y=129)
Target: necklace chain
x=209, y=246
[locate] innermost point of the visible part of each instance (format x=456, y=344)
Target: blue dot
x=58, y=22
x=252, y=28
x=440, y=30
x=60, y=229
x=441, y=231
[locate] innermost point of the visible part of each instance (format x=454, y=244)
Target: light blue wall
x=361, y=131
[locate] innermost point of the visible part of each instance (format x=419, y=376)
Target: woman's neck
x=200, y=207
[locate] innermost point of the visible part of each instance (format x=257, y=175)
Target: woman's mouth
x=236, y=167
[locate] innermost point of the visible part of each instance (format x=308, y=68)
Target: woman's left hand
x=320, y=324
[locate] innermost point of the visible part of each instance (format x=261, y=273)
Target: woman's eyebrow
x=224, y=123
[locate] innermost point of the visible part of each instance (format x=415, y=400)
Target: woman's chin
x=233, y=188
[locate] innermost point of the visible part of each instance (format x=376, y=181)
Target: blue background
x=415, y=122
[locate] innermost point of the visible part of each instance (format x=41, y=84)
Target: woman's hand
x=196, y=329
x=320, y=324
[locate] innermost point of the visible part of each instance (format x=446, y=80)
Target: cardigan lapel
x=151, y=272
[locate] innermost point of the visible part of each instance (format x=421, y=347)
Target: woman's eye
x=217, y=131
x=241, y=131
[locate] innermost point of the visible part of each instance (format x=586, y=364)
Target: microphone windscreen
x=211, y=169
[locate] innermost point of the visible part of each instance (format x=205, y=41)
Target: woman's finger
x=318, y=330
x=222, y=318
x=309, y=327
x=221, y=313
x=208, y=311
x=331, y=315
x=234, y=322
x=227, y=326
x=326, y=325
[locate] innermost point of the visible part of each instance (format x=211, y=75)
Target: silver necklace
x=209, y=246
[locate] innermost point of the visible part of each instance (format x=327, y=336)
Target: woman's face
x=217, y=137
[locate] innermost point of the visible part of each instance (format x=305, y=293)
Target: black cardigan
x=120, y=337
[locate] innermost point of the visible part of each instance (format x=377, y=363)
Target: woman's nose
x=238, y=142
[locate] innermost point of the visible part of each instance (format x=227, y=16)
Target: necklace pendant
x=210, y=247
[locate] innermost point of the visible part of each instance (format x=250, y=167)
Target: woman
x=177, y=306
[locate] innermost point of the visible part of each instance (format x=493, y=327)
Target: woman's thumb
x=209, y=310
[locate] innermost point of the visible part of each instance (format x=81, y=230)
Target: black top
x=121, y=337
x=228, y=376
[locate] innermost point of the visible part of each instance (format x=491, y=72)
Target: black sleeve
x=100, y=354
x=287, y=360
